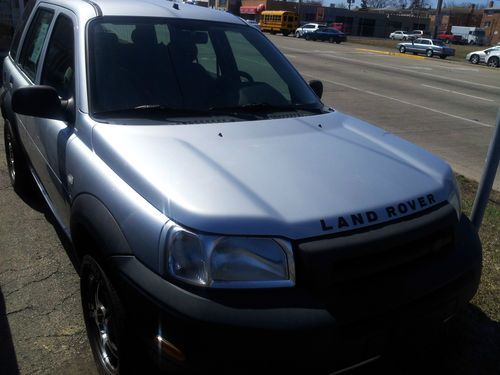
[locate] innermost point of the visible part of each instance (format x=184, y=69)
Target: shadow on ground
x=469, y=344
x=8, y=361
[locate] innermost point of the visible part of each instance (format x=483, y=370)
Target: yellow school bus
x=279, y=21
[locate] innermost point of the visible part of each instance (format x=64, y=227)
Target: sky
x=432, y=2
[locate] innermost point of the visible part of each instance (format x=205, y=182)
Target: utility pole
x=437, y=21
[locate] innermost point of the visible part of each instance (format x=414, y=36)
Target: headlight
x=454, y=198
x=229, y=262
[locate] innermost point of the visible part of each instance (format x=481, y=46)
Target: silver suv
x=220, y=214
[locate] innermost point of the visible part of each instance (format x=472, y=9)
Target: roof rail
x=96, y=7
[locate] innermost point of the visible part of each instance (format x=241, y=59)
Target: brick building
x=458, y=16
x=491, y=22
x=378, y=23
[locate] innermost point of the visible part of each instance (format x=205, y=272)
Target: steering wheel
x=245, y=75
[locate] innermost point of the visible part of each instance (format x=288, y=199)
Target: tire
x=337, y=42
x=442, y=57
x=429, y=53
x=404, y=38
x=104, y=318
x=285, y=33
x=402, y=49
x=494, y=62
x=297, y=34
x=474, y=59
x=17, y=164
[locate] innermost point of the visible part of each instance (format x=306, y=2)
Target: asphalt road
x=449, y=108
x=41, y=328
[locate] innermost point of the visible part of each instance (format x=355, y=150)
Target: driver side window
x=59, y=66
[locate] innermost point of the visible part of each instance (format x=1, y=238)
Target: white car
x=493, y=59
x=400, y=35
x=475, y=57
x=307, y=28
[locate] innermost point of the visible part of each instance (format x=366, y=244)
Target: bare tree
x=400, y=4
x=341, y=5
x=376, y=3
x=419, y=4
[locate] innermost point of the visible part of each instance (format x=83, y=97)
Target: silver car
x=428, y=47
x=218, y=211
x=476, y=57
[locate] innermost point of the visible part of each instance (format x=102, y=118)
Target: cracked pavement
x=41, y=325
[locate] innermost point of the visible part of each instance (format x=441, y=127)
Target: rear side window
x=59, y=65
x=34, y=41
x=19, y=30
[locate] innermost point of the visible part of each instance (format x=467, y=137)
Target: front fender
x=90, y=217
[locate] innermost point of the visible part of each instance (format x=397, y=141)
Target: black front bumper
x=324, y=322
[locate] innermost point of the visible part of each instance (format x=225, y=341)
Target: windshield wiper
x=159, y=109
x=266, y=107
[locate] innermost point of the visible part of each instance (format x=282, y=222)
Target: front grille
x=378, y=269
x=354, y=266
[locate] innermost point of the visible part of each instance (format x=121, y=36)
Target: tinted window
x=202, y=65
x=59, y=66
x=34, y=41
x=19, y=30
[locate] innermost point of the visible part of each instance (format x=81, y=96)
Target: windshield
x=478, y=32
x=155, y=65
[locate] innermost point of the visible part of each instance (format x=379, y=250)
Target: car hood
x=292, y=177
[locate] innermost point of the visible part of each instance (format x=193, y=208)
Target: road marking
x=401, y=69
x=402, y=101
x=391, y=53
x=420, y=67
x=458, y=68
x=456, y=92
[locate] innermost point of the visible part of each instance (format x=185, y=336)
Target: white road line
x=402, y=101
x=456, y=92
x=420, y=67
x=399, y=68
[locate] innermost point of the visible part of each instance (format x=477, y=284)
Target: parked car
x=327, y=34
x=493, y=59
x=216, y=210
x=429, y=47
x=450, y=38
x=476, y=57
x=307, y=28
x=416, y=34
x=400, y=35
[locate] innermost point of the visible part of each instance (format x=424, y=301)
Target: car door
x=420, y=45
x=58, y=71
x=411, y=45
x=28, y=66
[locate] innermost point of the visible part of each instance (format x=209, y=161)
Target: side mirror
x=317, y=87
x=42, y=101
